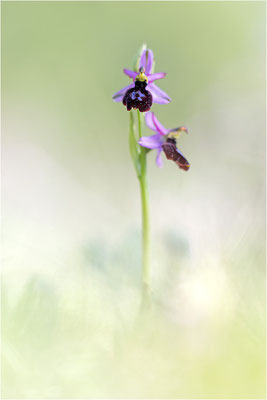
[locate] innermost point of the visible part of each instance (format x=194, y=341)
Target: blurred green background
x=71, y=209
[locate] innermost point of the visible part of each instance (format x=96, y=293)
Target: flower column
x=145, y=219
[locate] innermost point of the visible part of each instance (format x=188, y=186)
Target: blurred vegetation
x=71, y=326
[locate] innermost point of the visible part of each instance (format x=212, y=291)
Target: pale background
x=71, y=210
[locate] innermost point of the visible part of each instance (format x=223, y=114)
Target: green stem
x=145, y=219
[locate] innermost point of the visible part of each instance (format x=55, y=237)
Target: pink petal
x=146, y=60
x=130, y=73
x=149, y=121
x=154, y=124
x=159, y=161
x=160, y=128
x=154, y=77
x=151, y=142
x=159, y=96
x=118, y=96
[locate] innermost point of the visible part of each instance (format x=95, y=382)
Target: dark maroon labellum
x=171, y=152
x=138, y=97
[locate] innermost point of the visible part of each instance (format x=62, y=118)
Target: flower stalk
x=138, y=154
x=145, y=218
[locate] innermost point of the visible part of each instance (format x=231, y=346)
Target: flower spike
x=140, y=95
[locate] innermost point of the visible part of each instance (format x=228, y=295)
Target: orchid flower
x=145, y=66
x=164, y=140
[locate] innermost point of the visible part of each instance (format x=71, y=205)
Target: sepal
x=138, y=56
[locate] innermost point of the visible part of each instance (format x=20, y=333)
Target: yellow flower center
x=141, y=77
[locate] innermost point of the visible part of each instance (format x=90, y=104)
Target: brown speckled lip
x=171, y=153
x=138, y=97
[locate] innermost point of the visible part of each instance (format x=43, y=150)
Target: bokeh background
x=71, y=209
